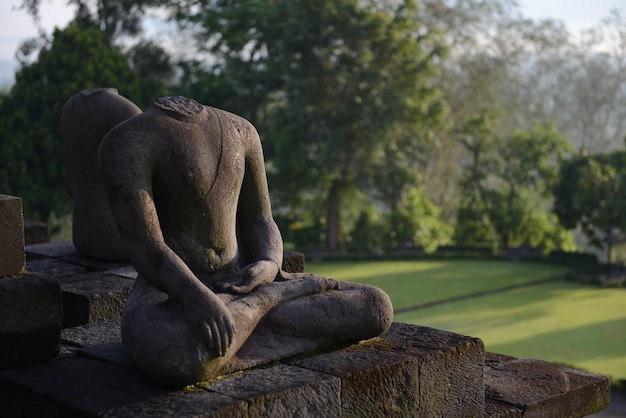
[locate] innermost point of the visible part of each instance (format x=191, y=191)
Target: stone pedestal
x=30, y=303
x=398, y=375
x=409, y=371
x=12, y=258
x=30, y=320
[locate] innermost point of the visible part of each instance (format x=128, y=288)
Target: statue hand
x=249, y=277
x=210, y=319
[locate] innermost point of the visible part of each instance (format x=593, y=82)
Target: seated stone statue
x=188, y=190
x=85, y=119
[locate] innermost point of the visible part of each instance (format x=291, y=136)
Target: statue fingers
x=218, y=342
x=207, y=335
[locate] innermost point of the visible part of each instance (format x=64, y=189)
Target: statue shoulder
x=237, y=127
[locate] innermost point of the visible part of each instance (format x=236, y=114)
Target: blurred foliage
x=30, y=133
x=591, y=192
x=384, y=123
x=508, y=187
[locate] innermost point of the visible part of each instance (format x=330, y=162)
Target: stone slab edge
x=529, y=387
x=451, y=371
x=88, y=386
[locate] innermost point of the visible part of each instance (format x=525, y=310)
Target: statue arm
x=127, y=179
x=259, y=237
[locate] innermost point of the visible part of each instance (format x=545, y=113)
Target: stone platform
x=408, y=371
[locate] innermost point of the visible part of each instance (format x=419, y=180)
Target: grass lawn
x=564, y=322
x=411, y=283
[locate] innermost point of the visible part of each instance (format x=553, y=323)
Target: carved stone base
x=410, y=371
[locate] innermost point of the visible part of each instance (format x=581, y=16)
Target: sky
x=16, y=25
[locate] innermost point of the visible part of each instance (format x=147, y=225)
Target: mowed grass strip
x=411, y=283
x=565, y=322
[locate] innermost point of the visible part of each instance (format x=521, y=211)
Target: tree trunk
x=333, y=218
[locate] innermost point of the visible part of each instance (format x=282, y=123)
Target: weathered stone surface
x=127, y=271
x=91, y=264
x=72, y=386
x=12, y=258
x=54, y=268
x=30, y=320
x=373, y=382
x=112, y=352
x=293, y=262
x=92, y=334
x=50, y=250
x=498, y=409
x=93, y=297
x=101, y=340
x=35, y=232
x=283, y=391
x=444, y=390
x=540, y=389
x=97, y=386
x=193, y=402
x=81, y=387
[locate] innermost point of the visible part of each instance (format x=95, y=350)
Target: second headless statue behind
x=85, y=119
x=187, y=187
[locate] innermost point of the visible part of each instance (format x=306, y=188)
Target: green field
x=578, y=325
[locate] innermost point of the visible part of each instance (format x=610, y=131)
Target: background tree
x=363, y=103
x=511, y=189
x=416, y=221
x=591, y=193
x=113, y=17
x=93, y=51
x=30, y=135
x=337, y=84
x=580, y=85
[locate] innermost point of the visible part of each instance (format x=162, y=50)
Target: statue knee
x=381, y=310
x=164, y=349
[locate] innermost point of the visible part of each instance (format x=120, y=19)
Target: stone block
x=127, y=271
x=90, y=335
x=535, y=388
x=93, y=334
x=373, y=382
x=293, y=262
x=81, y=387
x=93, y=381
x=54, y=268
x=30, y=320
x=12, y=258
x=450, y=368
x=50, y=250
x=35, y=232
x=92, y=264
x=283, y=391
x=93, y=297
x=193, y=402
x=113, y=353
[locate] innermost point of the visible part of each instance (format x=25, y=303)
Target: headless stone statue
x=188, y=190
x=85, y=119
